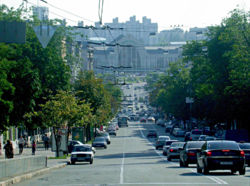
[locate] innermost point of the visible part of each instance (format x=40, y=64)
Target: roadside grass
x=65, y=156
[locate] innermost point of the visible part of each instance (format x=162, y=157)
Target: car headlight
x=73, y=155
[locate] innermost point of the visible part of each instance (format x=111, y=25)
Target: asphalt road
x=131, y=159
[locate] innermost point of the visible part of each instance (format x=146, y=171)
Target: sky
x=167, y=13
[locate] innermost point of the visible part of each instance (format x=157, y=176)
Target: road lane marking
x=123, y=158
x=213, y=178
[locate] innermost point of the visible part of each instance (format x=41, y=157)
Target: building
x=42, y=13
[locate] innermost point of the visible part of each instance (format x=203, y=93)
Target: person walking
x=21, y=143
x=46, y=142
x=33, y=147
x=9, y=151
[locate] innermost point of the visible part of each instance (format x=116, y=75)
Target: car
x=112, y=132
x=123, y=121
x=246, y=148
x=188, y=154
x=195, y=134
x=151, y=119
x=152, y=133
x=178, y=132
x=187, y=136
x=99, y=142
x=105, y=135
x=221, y=155
x=168, y=128
x=174, y=150
x=143, y=120
x=166, y=146
x=160, y=122
x=72, y=143
x=82, y=153
x=210, y=138
x=202, y=138
x=161, y=141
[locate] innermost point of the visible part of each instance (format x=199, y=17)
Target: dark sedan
x=188, y=154
x=221, y=155
x=174, y=150
x=246, y=148
x=152, y=133
x=100, y=142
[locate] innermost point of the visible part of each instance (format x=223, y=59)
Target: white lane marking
x=215, y=179
x=169, y=183
x=123, y=158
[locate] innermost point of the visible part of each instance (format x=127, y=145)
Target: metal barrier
x=16, y=166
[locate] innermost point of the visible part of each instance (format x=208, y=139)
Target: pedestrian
x=21, y=143
x=33, y=147
x=9, y=152
x=46, y=142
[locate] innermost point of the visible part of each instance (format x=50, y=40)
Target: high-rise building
x=42, y=13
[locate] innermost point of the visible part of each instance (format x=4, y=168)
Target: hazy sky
x=189, y=13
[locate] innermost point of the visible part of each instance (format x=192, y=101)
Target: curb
x=27, y=176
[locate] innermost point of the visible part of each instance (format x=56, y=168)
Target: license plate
x=226, y=163
x=81, y=158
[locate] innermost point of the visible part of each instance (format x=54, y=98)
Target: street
x=131, y=159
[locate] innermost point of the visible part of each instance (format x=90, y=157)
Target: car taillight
x=242, y=153
x=209, y=153
x=225, y=150
x=171, y=150
x=190, y=138
x=191, y=154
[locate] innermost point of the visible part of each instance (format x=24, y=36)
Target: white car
x=82, y=153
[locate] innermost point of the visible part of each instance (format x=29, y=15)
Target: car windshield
x=223, y=145
x=163, y=138
x=82, y=149
x=195, y=144
x=177, y=144
x=244, y=145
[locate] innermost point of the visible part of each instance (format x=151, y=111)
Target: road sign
x=44, y=33
x=12, y=32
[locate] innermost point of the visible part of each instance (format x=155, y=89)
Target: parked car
x=72, y=143
x=112, y=132
x=221, y=155
x=99, y=142
x=152, y=133
x=246, y=148
x=105, y=135
x=82, y=153
x=188, y=154
x=178, y=132
x=161, y=141
x=166, y=146
x=195, y=134
x=174, y=150
x=187, y=136
x=160, y=122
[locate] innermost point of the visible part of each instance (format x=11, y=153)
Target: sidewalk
x=51, y=165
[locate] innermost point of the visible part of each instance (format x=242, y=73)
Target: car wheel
x=91, y=161
x=199, y=170
x=164, y=153
x=242, y=171
x=169, y=159
x=156, y=148
x=109, y=142
x=105, y=147
x=73, y=162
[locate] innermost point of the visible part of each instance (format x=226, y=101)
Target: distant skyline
x=189, y=13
